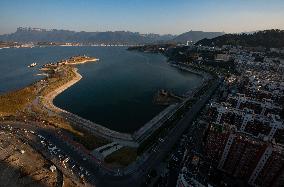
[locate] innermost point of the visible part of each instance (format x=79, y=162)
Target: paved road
x=155, y=158
x=103, y=176
x=23, y=132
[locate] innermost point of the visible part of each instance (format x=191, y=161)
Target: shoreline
x=84, y=61
x=45, y=102
x=51, y=95
x=58, y=84
x=99, y=130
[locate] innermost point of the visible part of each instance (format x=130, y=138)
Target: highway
x=153, y=159
x=101, y=175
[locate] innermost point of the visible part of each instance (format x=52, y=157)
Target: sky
x=144, y=16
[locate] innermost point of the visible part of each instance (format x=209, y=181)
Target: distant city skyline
x=144, y=16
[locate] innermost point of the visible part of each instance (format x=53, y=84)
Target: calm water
x=117, y=92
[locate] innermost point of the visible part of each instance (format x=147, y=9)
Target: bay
x=117, y=92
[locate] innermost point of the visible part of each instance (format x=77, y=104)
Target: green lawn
x=122, y=157
x=15, y=101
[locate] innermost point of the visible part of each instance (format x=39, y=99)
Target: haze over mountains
x=196, y=36
x=268, y=38
x=24, y=34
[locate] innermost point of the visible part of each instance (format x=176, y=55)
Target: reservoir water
x=117, y=92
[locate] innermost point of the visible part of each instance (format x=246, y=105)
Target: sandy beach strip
x=48, y=99
x=47, y=103
x=84, y=61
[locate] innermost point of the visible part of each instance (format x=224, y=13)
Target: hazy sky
x=145, y=16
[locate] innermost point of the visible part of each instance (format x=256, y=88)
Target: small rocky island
x=71, y=61
x=164, y=97
x=30, y=119
x=35, y=102
x=79, y=60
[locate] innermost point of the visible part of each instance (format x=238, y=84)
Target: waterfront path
x=106, y=150
x=46, y=103
x=132, y=175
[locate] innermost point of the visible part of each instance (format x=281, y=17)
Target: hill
x=196, y=36
x=267, y=38
x=117, y=37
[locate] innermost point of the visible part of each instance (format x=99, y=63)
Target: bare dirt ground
x=22, y=165
x=26, y=168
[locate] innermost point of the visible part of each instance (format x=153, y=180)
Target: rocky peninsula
x=35, y=102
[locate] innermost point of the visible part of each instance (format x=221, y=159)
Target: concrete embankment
x=101, y=131
x=157, y=122
x=193, y=70
x=47, y=103
x=85, y=61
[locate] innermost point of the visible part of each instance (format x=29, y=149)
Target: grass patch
x=13, y=102
x=88, y=140
x=58, y=80
x=163, y=130
x=122, y=157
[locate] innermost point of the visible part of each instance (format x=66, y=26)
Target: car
x=41, y=137
x=175, y=158
x=66, y=160
x=154, y=149
x=148, y=180
x=87, y=173
x=53, y=149
x=43, y=142
x=60, y=156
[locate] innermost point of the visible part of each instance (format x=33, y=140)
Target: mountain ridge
x=266, y=38
x=28, y=34
x=195, y=36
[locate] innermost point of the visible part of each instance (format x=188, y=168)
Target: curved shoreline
x=84, y=61
x=51, y=95
x=48, y=99
x=124, y=138
x=101, y=131
x=151, y=126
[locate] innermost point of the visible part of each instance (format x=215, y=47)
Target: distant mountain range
x=24, y=34
x=267, y=38
x=117, y=37
x=195, y=36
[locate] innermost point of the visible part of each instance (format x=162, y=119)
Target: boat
x=32, y=65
